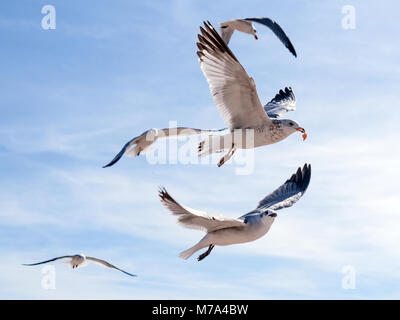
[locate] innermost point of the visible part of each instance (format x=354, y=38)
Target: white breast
x=250, y=232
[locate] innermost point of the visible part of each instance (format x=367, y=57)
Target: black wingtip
x=129, y=274
x=302, y=177
x=306, y=176
x=284, y=94
x=163, y=194
x=116, y=159
x=291, y=49
x=118, y=156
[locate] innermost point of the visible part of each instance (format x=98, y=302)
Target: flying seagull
x=141, y=144
x=246, y=25
x=223, y=231
x=81, y=260
x=237, y=101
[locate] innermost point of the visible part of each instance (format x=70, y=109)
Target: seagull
x=81, y=260
x=237, y=101
x=246, y=25
x=223, y=231
x=141, y=144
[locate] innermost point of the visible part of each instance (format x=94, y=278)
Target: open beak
x=303, y=132
x=255, y=37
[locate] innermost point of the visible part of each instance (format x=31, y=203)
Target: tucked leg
x=205, y=254
x=227, y=156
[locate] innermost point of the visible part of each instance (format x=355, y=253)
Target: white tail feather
x=187, y=253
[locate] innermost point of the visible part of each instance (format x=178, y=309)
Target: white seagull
x=223, y=231
x=80, y=260
x=235, y=95
x=237, y=101
x=246, y=25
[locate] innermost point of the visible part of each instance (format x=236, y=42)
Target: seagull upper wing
x=233, y=91
x=226, y=32
x=276, y=28
x=141, y=143
x=288, y=193
x=109, y=265
x=51, y=260
x=196, y=219
x=283, y=102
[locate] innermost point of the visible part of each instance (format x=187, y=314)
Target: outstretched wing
x=195, y=219
x=283, y=102
x=288, y=193
x=51, y=260
x=276, y=28
x=141, y=143
x=233, y=91
x=109, y=265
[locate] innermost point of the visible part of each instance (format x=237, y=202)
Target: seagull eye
x=291, y=124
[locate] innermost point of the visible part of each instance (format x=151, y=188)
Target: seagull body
x=228, y=27
x=223, y=231
x=80, y=260
x=235, y=96
x=246, y=25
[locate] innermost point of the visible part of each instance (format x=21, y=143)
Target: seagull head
x=291, y=126
x=255, y=33
x=269, y=214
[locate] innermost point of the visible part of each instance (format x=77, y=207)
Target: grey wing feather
x=276, y=28
x=283, y=102
x=288, y=193
x=109, y=265
x=51, y=260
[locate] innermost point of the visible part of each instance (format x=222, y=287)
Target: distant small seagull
x=246, y=25
x=223, y=231
x=80, y=260
x=235, y=95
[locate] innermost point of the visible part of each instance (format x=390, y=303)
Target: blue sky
x=71, y=97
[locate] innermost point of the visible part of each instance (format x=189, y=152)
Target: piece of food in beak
x=304, y=133
x=255, y=37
